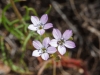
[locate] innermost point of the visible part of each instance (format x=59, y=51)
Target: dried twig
x=43, y=67
x=74, y=9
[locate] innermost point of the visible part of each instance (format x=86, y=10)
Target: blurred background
x=81, y=16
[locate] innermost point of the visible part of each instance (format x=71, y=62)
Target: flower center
x=40, y=27
x=60, y=42
x=43, y=50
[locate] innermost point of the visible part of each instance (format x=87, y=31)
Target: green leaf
x=30, y=9
x=49, y=9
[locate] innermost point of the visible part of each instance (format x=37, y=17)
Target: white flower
x=43, y=49
x=61, y=41
x=40, y=25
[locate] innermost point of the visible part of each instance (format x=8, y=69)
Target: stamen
x=43, y=50
x=40, y=27
x=60, y=42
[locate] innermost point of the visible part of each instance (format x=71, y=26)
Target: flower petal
x=44, y=18
x=45, y=56
x=53, y=43
x=41, y=31
x=32, y=27
x=46, y=41
x=51, y=50
x=56, y=34
x=48, y=25
x=67, y=34
x=36, y=53
x=62, y=50
x=70, y=44
x=35, y=20
x=37, y=44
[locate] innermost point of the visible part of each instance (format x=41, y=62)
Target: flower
x=43, y=49
x=62, y=41
x=40, y=25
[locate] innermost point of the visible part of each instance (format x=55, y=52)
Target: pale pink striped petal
x=56, y=34
x=67, y=34
x=46, y=41
x=36, y=53
x=34, y=20
x=48, y=25
x=45, y=56
x=44, y=18
x=61, y=50
x=41, y=31
x=53, y=43
x=37, y=44
x=69, y=44
x=32, y=27
x=51, y=50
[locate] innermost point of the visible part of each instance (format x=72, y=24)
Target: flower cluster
x=60, y=42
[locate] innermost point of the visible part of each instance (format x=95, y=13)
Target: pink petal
x=36, y=53
x=70, y=44
x=44, y=18
x=46, y=41
x=37, y=44
x=67, y=34
x=45, y=56
x=51, y=50
x=53, y=43
x=41, y=31
x=48, y=25
x=35, y=20
x=32, y=27
x=56, y=34
x=62, y=50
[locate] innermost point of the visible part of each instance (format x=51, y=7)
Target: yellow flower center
x=40, y=27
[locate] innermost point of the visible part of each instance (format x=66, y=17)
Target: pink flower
x=62, y=41
x=40, y=25
x=43, y=49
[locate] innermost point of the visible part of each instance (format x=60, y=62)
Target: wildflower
x=40, y=25
x=62, y=41
x=43, y=49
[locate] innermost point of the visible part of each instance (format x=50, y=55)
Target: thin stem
x=26, y=40
x=16, y=10
x=3, y=50
x=24, y=45
x=2, y=47
x=18, y=14
x=54, y=67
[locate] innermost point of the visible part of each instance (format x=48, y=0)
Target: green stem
x=24, y=45
x=26, y=40
x=3, y=50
